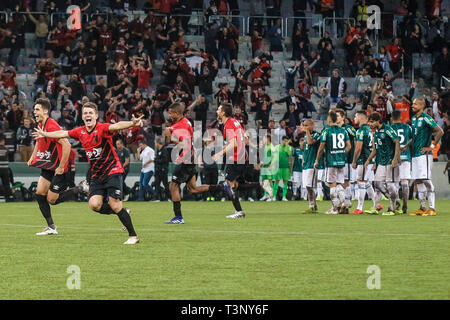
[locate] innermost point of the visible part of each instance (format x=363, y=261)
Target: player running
x=349, y=172
x=404, y=132
x=424, y=127
x=336, y=142
x=51, y=156
x=387, y=152
x=309, y=175
x=364, y=175
x=181, y=134
x=106, y=170
x=235, y=155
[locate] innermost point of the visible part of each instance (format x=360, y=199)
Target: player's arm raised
x=60, y=134
x=126, y=124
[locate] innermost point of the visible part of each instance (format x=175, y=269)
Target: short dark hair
x=362, y=113
x=177, y=107
x=396, y=115
x=332, y=115
x=341, y=112
x=142, y=141
x=227, y=108
x=45, y=103
x=90, y=105
x=375, y=117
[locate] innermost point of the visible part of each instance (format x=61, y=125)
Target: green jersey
x=310, y=153
x=384, y=144
x=284, y=153
x=268, y=159
x=365, y=135
x=404, y=133
x=297, y=153
x=352, y=135
x=335, y=139
x=422, y=133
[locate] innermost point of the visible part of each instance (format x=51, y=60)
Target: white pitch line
x=250, y=232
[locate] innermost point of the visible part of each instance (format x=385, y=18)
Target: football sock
x=319, y=189
x=405, y=192
x=371, y=193
x=125, y=218
x=361, y=194
x=70, y=194
x=422, y=195
x=304, y=192
x=177, y=208
x=274, y=189
x=341, y=194
x=430, y=193
x=397, y=186
x=334, y=197
x=285, y=188
x=348, y=196
x=214, y=188
x=311, y=197
x=236, y=202
x=392, y=189
x=267, y=188
x=44, y=206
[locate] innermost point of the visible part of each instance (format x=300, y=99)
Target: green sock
x=285, y=187
x=275, y=189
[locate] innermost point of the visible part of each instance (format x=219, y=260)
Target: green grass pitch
x=274, y=253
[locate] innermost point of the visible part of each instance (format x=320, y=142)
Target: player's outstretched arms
x=39, y=133
x=126, y=124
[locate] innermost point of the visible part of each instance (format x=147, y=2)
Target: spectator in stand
x=300, y=43
x=275, y=37
x=156, y=116
x=396, y=52
x=66, y=121
x=324, y=104
x=292, y=119
x=384, y=59
x=291, y=72
x=14, y=117
x=441, y=66
x=25, y=140
x=257, y=45
x=363, y=80
x=41, y=31
x=206, y=78
x=200, y=107
x=326, y=59
x=223, y=45
x=336, y=86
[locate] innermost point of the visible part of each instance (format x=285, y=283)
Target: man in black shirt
x=162, y=159
x=24, y=139
x=4, y=169
x=124, y=158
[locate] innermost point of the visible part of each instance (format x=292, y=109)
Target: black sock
x=125, y=218
x=248, y=185
x=236, y=202
x=45, y=209
x=177, y=208
x=70, y=194
x=214, y=188
x=106, y=209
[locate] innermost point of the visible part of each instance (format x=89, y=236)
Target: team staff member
x=106, y=170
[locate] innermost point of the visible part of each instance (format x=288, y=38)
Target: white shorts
x=297, y=177
x=335, y=175
x=387, y=174
x=309, y=178
x=320, y=174
x=349, y=172
x=364, y=174
x=405, y=170
x=421, y=167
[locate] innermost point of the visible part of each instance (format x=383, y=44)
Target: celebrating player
x=51, y=156
x=387, y=152
x=309, y=175
x=181, y=133
x=235, y=153
x=337, y=144
x=404, y=132
x=365, y=175
x=106, y=170
x=424, y=127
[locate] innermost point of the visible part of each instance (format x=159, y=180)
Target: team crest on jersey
x=83, y=132
x=44, y=156
x=94, y=154
x=382, y=136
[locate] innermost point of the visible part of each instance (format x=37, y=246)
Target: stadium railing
x=313, y=23
x=445, y=83
x=264, y=22
x=240, y=20
x=333, y=22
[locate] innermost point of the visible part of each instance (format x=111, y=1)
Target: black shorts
x=58, y=181
x=183, y=173
x=235, y=172
x=111, y=186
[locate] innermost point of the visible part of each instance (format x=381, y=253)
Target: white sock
x=362, y=194
x=430, y=193
x=393, y=194
x=319, y=189
x=341, y=194
x=371, y=193
x=422, y=195
x=334, y=197
x=348, y=196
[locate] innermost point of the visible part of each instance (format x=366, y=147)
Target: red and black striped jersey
x=49, y=151
x=182, y=130
x=233, y=129
x=99, y=148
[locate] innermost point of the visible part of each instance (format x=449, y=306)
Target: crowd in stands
x=130, y=64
